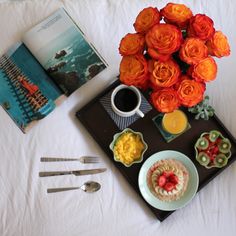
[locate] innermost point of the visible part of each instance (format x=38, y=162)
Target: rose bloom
x=147, y=18
x=132, y=44
x=193, y=50
x=181, y=78
x=205, y=70
x=177, y=14
x=163, y=39
x=165, y=100
x=134, y=71
x=190, y=92
x=164, y=74
x=218, y=45
x=201, y=26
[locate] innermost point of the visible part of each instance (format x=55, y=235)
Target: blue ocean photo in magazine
x=71, y=60
x=63, y=50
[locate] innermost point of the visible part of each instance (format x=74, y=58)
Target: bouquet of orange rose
x=171, y=53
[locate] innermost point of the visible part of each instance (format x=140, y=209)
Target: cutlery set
x=89, y=186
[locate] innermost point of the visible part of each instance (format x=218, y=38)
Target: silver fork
x=83, y=159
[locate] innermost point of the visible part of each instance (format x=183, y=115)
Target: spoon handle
x=55, y=190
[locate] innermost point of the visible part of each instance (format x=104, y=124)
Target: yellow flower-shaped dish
x=128, y=147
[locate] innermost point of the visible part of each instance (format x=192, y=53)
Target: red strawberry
x=218, y=140
x=167, y=174
x=161, y=181
x=212, y=157
x=174, y=179
x=215, y=150
x=169, y=186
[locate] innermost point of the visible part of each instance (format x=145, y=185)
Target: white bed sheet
x=26, y=209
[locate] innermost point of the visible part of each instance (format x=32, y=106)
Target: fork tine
x=88, y=159
x=91, y=161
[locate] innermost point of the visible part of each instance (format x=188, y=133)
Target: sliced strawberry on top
x=169, y=186
x=167, y=173
x=161, y=181
x=174, y=179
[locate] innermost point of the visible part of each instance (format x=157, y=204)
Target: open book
x=52, y=61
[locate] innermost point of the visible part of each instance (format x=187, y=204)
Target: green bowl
x=116, y=137
x=201, y=155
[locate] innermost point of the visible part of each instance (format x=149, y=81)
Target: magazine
x=53, y=60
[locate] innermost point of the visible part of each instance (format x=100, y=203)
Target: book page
x=26, y=92
x=62, y=49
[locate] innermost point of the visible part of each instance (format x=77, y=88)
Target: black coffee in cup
x=126, y=100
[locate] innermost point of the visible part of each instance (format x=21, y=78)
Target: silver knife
x=73, y=172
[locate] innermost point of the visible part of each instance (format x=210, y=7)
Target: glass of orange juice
x=175, y=122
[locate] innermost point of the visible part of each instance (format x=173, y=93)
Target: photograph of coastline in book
x=52, y=61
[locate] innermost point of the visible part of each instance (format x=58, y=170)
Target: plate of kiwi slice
x=212, y=149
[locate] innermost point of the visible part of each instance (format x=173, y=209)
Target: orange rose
x=164, y=74
x=147, y=18
x=163, y=39
x=193, y=50
x=205, y=70
x=190, y=92
x=201, y=26
x=218, y=45
x=132, y=44
x=134, y=71
x=177, y=14
x=181, y=78
x=158, y=56
x=165, y=100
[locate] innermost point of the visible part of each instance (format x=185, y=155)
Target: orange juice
x=175, y=122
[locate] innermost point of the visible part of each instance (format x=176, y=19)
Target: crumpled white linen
x=25, y=207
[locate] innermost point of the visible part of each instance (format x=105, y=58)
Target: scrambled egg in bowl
x=128, y=147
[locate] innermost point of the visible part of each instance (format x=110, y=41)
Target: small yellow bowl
x=128, y=147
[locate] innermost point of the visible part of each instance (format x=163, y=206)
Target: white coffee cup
x=135, y=110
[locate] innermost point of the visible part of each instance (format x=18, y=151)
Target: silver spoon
x=88, y=187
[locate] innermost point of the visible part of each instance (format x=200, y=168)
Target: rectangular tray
x=102, y=128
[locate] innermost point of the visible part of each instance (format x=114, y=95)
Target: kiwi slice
x=220, y=160
x=202, y=143
x=224, y=145
x=203, y=158
x=213, y=135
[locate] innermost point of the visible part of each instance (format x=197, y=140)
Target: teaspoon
x=88, y=187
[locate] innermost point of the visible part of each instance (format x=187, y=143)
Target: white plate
x=192, y=185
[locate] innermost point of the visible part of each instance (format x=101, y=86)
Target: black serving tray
x=102, y=128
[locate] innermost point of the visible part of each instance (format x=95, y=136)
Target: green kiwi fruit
x=202, y=143
x=224, y=145
x=203, y=158
x=213, y=135
x=220, y=160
